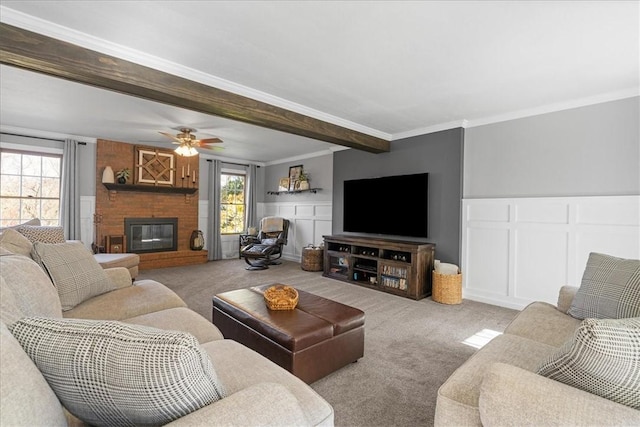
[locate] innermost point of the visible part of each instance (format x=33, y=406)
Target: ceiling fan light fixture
x=186, y=150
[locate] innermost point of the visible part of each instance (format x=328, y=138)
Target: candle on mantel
x=182, y=172
x=188, y=169
x=194, y=176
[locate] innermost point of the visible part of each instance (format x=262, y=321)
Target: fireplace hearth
x=146, y=235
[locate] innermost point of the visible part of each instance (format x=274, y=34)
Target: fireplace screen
x=151, y=234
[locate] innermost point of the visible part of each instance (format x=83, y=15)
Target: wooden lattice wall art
x=155, y=166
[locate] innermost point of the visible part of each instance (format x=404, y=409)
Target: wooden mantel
x=36, y=52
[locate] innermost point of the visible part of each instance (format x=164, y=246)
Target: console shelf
x=396, y=266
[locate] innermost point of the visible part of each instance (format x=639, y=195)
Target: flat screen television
x=392, y=205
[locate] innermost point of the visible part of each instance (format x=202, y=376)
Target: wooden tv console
x=399, y=267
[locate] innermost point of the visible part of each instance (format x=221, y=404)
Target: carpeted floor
x=411, y=347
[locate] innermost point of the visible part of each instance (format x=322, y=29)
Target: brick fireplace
x=113, y=206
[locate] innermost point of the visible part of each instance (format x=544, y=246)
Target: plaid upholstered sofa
x=577, y=363
x=82, y=345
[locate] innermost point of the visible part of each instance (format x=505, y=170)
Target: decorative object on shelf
x=310, y=190
x=107, y=175
x=294, y=177
x=281, y=297
x=283, y=185
x=154, y=166
x=123, y=175
x=196, y=243
x=303, y=181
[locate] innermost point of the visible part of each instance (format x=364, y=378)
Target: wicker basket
x=312, y=259
x=447, y=288
x=281, y=297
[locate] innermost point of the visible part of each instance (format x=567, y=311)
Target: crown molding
x=560, y=106
x=40, y=26
x=42, y=134
x=429, y=129
x=301, y=157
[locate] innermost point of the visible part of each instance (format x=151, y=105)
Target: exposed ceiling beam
x=39, y=53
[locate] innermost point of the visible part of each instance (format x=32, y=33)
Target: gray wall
x=320, y=170
x=439, y=154
x=586, y=151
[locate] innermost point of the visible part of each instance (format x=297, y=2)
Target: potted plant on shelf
x=304, y=180
x=123, y=175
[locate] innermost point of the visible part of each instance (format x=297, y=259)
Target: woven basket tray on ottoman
x=317, y=337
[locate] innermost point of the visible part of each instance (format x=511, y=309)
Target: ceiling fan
x=187, y=142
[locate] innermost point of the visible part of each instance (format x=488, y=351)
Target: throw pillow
x=73, y=270
x=15, y=242
x=44, y=234
x=111, y=373
x=610, y=289
x=603, y=358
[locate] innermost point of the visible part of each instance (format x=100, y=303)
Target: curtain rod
x=38, y=137
x=231, y=163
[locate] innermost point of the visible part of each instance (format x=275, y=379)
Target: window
x=232, y=203
x=29, y=187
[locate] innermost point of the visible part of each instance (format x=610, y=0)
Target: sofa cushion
x=34, y=221
x=542, y=322
x=610, y=289
x=15, y=242
x=111, y=373
x=457, y=402
x=44, y=234
x=603, y=358
x=145, y=296
x=27, y=399
x=74, y=271
x=25, y=290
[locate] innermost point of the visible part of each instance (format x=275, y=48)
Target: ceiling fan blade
x=214, y=148
x=168, y=135
x=208, y=141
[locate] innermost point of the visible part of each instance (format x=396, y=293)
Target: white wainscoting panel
x=87, y=228
x=516, y=251
x=309, y=221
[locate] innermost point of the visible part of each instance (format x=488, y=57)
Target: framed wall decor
x=294, y=177
x=154, y=166
x=284, y=184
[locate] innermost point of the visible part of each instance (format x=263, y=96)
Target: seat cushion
x=180, y=319
x=239, y=367
x=610, y=289
x=110, y=373
x=458, y=396
x=145, y=296
x=603, y=359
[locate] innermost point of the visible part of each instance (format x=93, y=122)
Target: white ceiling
x=387, y=68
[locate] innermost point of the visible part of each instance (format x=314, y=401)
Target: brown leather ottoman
x=318, y=337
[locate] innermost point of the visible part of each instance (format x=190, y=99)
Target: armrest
x=120, y=276
x=513, y=396
x=565, y=297
x=264, y=404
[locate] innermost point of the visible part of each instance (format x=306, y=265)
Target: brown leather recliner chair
x=266, y=248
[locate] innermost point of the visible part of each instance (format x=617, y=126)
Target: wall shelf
x=114, y=188
x=310, y=190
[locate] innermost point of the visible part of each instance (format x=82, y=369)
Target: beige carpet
x=411, y=347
